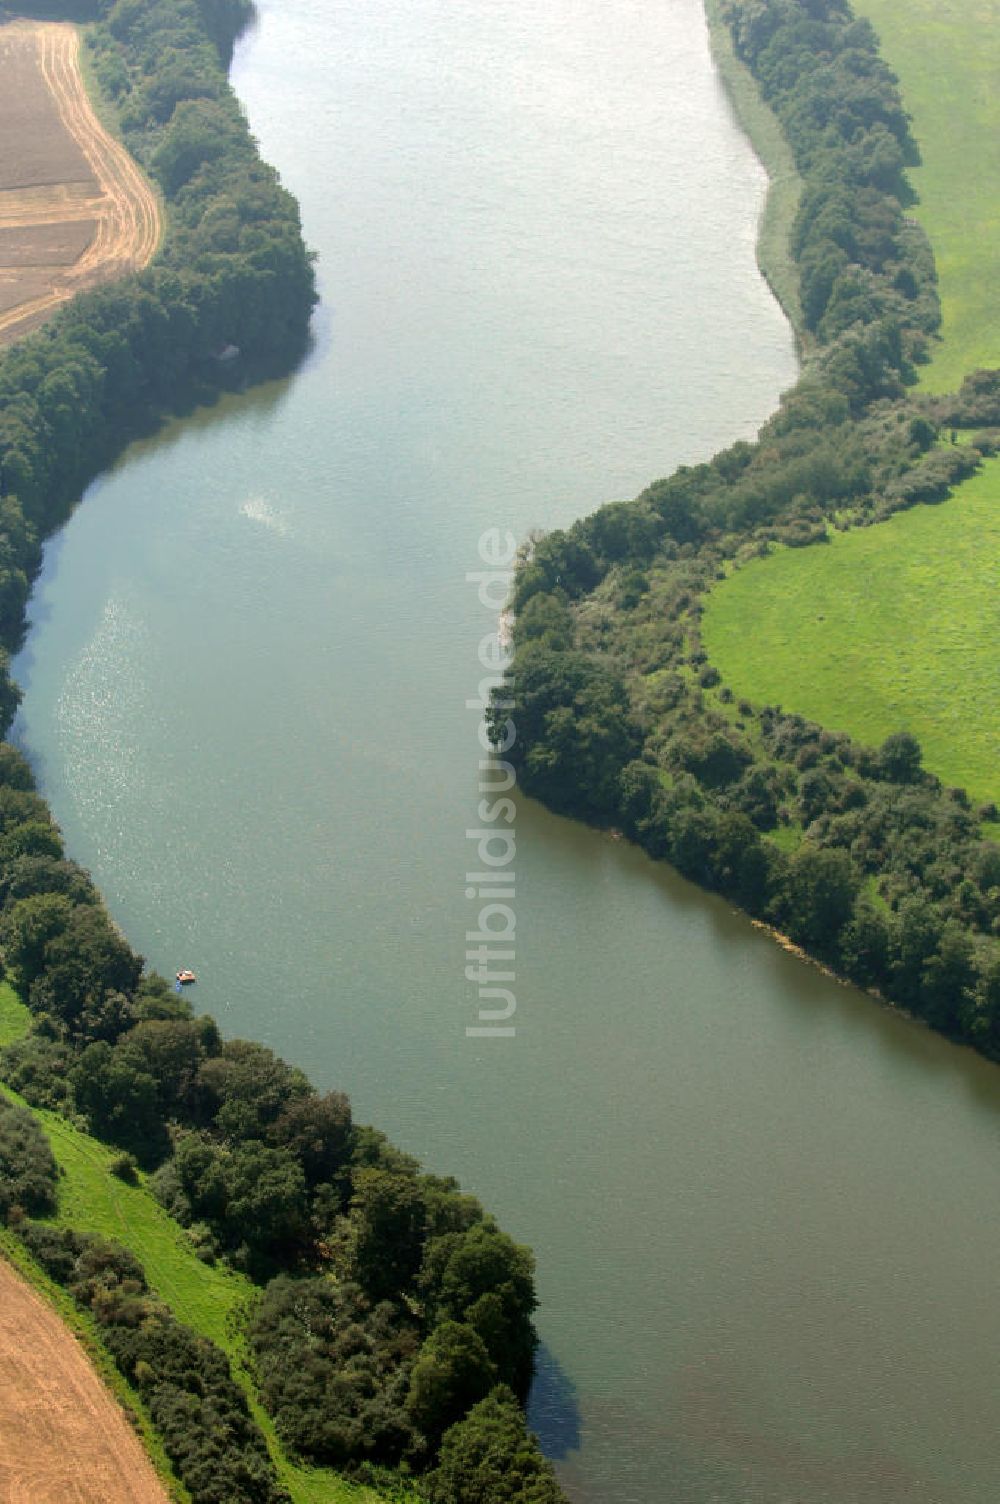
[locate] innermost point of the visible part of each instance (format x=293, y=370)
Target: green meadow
x=882, y=629
x=209, y=1298
x=896, y=627
x=946, y=54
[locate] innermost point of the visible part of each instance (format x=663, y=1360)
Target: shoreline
x=784, y=185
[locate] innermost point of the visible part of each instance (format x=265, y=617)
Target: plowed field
x=74, y=208
x=63, y=1439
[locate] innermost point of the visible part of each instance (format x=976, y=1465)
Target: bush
x=335, y=1371
x=490, y=1457
x=199, y=1411
x=28, y=1171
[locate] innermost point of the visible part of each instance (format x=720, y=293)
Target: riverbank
x=806, y=829
x=892, y=629
x=113, y=1047
x=784, y=190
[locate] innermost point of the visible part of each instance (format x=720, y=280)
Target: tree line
x=882, y=873
x=425, y=1304
x=393, y=1308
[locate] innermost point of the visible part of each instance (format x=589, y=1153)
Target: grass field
x=896, y=627
x=14, y=1016
x=883, y=629
x=209, y=1298
x=947, y=56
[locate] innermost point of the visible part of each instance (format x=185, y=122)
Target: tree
x=921, y=926
x=985, y=1020
x=245, y=1087
x=819, y=893
x=490, y=1457
x=900, y=757
x=90, y=972
x=200, y=131
x=266, y=1205
x=866, y=945
x=385, y=1232
x=740, y=862
x=452, y=1371
x=28, y=1171
x=948, y=979
x=485, y=1279
x=318, y=1131
x=171, y=1052
x=573, y=730
x=119, y=1102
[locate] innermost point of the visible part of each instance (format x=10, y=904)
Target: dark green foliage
x=70, y=963
x=899, y=758
x=359, y=1375
x=171, y=1053
x=481, y=1277
x=334, y=1371
x=573, y=731
x=491, y=1458
x=125, y=1167
x=197, y=1408
x=451, y=1371
x=28, y=1173
x=976, y=404
x=817, y=897
x=266, y=1207
x=38, y=1068
x=612, y=708
x=262, y=1168
x=253, y=1198
x=861, y=263
x=119, y=1102
x=317, y=1131
x=385, y=1233
x=244, y=1087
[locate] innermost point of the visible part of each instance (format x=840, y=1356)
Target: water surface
x=765, y=1212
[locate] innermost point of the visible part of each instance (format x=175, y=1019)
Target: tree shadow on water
x=553, y=1412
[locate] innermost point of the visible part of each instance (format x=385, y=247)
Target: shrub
x=28, y=1171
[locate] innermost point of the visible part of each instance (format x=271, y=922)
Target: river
x=766, y=1211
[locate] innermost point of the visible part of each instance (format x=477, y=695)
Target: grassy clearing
x=883, y=629
x=785, y=188
x=947, y=56
x=211, y=1299
x=14, y=1016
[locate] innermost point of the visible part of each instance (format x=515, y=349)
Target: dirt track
x=113, y=195
x=63, y=1439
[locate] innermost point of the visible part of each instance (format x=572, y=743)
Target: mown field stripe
x=208, y=1297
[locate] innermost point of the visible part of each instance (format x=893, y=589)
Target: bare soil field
x=63, y=1439
x=74, y=208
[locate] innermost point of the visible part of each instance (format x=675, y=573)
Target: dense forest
x=857, y=853
x=394, y=1328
